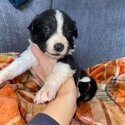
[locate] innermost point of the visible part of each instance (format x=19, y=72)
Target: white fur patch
x=59, y=19
x=85, y=79
x=60, y=73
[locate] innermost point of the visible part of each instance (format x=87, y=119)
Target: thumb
x=37, y=52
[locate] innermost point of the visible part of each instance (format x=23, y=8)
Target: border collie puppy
x=53, y=32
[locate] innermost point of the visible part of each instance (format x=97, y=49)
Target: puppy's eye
x=46, y=29
x=69, y=33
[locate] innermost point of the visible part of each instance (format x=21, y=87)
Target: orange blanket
x=107, y=108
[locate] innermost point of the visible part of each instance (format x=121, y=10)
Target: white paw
x=45, y=94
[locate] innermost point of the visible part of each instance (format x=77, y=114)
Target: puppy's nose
x=59, y=47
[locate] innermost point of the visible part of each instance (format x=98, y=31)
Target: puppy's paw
x=45, y=94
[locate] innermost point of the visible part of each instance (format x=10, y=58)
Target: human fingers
x=45, y=63
x=41, y=57
x=37, y=52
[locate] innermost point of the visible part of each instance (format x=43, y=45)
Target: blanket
x=106, y=108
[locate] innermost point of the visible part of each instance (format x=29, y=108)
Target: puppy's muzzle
x=59, y=47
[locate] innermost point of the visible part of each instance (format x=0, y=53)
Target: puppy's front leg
x=60, y=73
x=18, y=66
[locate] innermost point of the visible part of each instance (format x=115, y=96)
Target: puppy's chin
x=54, y=56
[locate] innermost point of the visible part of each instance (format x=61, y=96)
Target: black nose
x=59, y=47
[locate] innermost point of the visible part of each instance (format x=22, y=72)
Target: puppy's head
x=53, y=31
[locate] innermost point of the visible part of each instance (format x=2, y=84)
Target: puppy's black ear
x=33, y=24
x=75, y=32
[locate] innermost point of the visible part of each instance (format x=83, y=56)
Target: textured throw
x=106, y=108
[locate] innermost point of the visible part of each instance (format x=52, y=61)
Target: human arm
x=62, y=108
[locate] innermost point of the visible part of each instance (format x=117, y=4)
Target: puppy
x=53, y=32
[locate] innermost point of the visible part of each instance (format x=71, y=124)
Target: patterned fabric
x=6, y=59
x=16, y=104
x=9, y=111
x=106, y=108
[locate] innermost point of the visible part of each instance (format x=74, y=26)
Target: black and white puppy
x=53, y=32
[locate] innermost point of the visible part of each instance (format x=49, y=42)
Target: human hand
x=43, y=69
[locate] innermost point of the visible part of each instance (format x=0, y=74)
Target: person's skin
x=63, y=107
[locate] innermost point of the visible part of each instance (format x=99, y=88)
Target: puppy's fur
x=53, y=32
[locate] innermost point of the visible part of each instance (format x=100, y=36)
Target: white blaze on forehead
x=59, y=19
